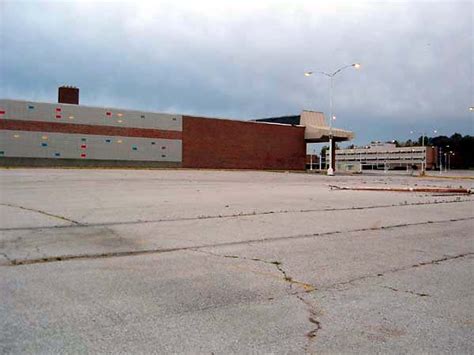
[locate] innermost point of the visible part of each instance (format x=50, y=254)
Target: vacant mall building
x=69, y=134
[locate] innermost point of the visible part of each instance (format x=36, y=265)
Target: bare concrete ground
x=155, y=261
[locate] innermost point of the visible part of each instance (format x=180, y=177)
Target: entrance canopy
x=317, y=130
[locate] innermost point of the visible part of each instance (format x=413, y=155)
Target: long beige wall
x=78, y=114
x=45, y=130
x=81, y=146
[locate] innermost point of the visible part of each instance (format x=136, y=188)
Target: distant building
x=379, y=155
x=69, y=134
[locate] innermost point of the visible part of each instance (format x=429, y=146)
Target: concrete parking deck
x=232, y=261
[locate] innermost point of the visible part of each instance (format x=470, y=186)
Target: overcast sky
x=246, y=59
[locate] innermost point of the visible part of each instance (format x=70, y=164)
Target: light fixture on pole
x=331, y=116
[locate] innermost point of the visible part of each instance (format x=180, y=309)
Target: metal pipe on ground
x=449, y=190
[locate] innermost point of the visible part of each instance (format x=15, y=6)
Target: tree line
x=459, y=147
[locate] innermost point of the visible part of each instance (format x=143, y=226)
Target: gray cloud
x=246, y=59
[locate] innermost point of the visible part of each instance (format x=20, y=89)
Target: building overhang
x=320, y=134
x=316, y=128
x=318, y=131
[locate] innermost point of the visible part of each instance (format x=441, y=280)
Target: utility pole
x=440, y=161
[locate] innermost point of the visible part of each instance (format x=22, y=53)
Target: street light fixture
x=332, y=117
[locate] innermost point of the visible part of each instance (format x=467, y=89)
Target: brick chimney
x=68, y=95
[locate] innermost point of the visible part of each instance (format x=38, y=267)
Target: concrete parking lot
x=158, y=261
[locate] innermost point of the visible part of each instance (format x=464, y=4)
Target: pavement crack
x=406, y=291
x=42, y=212
x=221, y=216
x=446, y=258
x=395, y=270
x=6, y=257
x=312, y=313
x=277, y=264
x=16, y=262
x=313, y=319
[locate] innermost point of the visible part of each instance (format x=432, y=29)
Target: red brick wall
x=216, y=143
x=43, y=126
x=431, y=157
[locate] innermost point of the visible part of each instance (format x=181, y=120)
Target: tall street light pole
x=331, y=117
x=440, y=160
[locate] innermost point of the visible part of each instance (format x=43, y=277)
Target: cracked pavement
x=232, y=262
